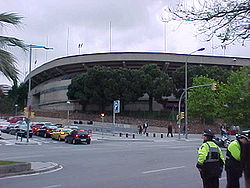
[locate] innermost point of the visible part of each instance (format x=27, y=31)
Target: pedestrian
x=210, y=161
x=233, y=165
x=145, y=126
x=245, y=160
x=170, y=130
x=140, y=129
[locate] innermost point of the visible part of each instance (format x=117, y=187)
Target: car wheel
x=73, y=141
x=45, y=135
x=88, y=141
x=59, y=138
x=66, y=141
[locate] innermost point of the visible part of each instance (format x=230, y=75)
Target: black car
x=22, y=131
x=78, y=136
x=46, y=130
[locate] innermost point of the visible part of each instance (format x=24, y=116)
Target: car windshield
x=24, y=127
x=82, y=132
x=4, y=123
x=52, y=127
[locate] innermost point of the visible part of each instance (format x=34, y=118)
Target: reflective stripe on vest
x=213, y=154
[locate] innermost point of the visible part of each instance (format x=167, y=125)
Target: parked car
x=35, y=126
x=16, y=119
x=60, y=134
x=4, y=126
x=22, y=131
x=45, y=131
x=72, y=127
x=7, y=130
x=78, y=136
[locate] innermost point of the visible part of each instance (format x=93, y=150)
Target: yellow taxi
x=60, y=133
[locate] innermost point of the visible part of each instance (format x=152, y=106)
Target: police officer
x=233, y=165
x=210, y=161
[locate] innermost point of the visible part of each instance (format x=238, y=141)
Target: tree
x=216, y=73
x=18, y=95
x=127, y=86
x=7, y=60
x=229, y=20
x=202, y=101
x=155, y=83
x=235, y=99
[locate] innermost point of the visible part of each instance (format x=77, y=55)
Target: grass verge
x=9, y=162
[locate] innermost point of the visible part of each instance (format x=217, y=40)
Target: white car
x=4, y=125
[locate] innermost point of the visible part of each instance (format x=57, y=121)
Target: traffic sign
x=117, y=106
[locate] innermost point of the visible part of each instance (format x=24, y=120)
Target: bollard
x=161, y=135
x=127, y=135
x=146, y=134
x=120, y=134
x=21, y=138
x=133, y=135
x=153, y=134
x=16, y=137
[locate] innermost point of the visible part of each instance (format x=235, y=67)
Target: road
x=105, y=164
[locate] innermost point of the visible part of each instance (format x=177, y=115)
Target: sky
x=134, y=26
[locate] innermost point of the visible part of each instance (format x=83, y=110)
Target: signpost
x=116, y=109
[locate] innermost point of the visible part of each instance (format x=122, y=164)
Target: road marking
x=52, y=186
x=35, y=174
x=164, y=169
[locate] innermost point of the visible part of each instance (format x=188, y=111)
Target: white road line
x=164, y=169
x=35, y=174
x=52, y=186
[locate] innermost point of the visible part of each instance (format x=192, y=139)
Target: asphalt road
x=105, y=164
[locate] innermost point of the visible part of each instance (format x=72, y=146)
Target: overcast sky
x=135, y=24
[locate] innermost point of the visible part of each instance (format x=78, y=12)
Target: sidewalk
x=36, y=168
x=6, y=136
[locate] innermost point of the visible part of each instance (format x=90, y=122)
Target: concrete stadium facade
x=50, y=81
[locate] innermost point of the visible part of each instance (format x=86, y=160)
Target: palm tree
x=7, y=60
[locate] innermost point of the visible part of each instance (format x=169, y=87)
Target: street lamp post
x=31, y=46
x=68, y=102
x=16, y=105
x=186, y=93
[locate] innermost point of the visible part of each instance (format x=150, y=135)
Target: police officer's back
x=210, y=161
x=233, y=162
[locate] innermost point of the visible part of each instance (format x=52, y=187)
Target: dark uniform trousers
x=212, y=182
x=232, y=180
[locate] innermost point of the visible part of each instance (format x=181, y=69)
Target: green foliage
x=155, y=83
x=18, y=95
x=235, y=99
x=202, y=101
x=103, y=85
x=8, y=61
x=216, y=73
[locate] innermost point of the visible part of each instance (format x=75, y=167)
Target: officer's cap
x=208, y=132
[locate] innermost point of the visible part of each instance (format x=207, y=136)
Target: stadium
x=49, y=82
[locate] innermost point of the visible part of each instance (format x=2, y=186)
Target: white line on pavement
x=52, y=186
x=164, y=169
x=35, y=174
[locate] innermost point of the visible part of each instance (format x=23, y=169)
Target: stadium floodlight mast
x=186, y=88
x=29, y=103
x=165, y=18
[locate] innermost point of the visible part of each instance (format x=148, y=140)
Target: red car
x=36, y=126
x=16, y=119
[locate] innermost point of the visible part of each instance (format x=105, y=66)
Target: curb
x=55, y=166
x=125, y=140
x=26, y=143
